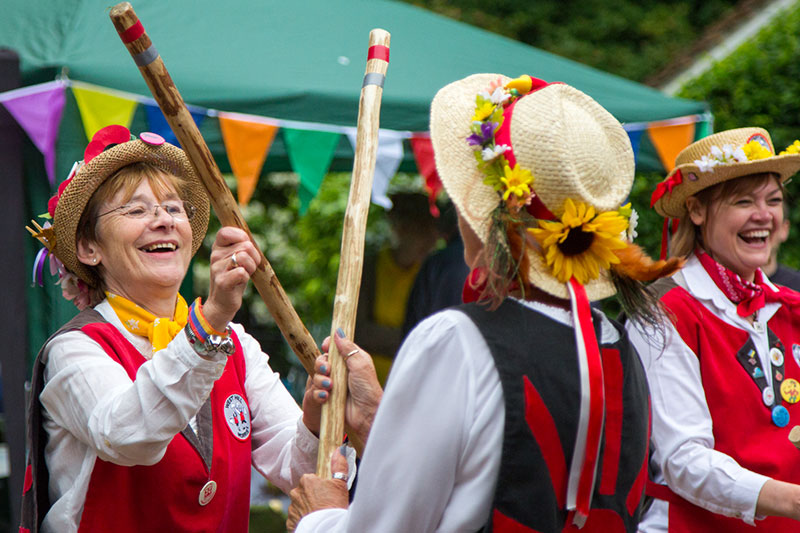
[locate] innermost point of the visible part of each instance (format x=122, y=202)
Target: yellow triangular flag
x=670, y=140
x=99, y=109
x=247, y=144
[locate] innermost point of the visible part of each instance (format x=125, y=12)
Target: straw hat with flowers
x=111, y=149
x=721, y=157
x=562, y=159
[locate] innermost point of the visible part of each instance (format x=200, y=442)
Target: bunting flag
x=310, y=153
x=247, y=144
x=387, y=161
x=38, y=112
x=423, y=155
x=100, y=109
x=704, y=129
x=636, y=141
x=157, y=122
x=670, y=139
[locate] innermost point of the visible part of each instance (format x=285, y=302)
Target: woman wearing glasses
x=149, y=411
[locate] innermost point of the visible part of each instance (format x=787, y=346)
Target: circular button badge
x=790, y=390
x=153, y=139
x=207, y=493
x=776, y=356
x=768, y=395
x=780, y=416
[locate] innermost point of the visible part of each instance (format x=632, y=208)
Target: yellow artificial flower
x=582, y=243
x=517, y=181
x=755, y=150
x=793, y=148
x=483, y=111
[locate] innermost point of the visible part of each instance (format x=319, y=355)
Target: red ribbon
x=537, y=209
x=596, y=400
x=666, y=186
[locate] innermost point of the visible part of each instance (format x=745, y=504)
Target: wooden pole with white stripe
x=353, y=231
x=180, y=120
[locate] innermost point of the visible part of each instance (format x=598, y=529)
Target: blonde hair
x=688, y=237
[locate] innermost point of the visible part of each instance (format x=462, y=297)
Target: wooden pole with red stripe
x=165, y=93
x=352, y=255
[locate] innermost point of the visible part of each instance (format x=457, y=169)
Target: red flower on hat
x=105, y=138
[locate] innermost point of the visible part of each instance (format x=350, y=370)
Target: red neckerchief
x=749, y=296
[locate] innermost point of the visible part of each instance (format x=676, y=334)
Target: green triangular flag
x=310, y=153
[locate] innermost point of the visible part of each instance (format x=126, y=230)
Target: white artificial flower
x=499, y=96
x=492, y=152
x=740, y=156
x=706, y=164
x=633, y=221
x=727, y=151
x=716, y=153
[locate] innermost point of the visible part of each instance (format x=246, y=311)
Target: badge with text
x=796, y=353
x=237, y=415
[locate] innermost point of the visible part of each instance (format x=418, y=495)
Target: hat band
x=536, y=208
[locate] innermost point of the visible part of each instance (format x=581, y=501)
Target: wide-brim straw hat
x=77, y=193
x=687, y=178
x=573, y=147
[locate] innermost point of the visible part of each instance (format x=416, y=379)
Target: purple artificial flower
x=486, y=134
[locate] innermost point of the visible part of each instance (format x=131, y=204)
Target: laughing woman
x=147, y=413
x=724, y=369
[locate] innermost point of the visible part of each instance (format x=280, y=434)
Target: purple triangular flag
x=39, y=114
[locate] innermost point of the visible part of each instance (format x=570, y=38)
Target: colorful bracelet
x=200, y=326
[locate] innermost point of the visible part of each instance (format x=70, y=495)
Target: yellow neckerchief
x=141, y=322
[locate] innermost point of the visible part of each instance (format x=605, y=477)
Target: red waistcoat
x=165, y=496
x=742, y=423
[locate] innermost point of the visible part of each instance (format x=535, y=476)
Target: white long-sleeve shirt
x=682, y=434
x=92, y=409
x=433, y=455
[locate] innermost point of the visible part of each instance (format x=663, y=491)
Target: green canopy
x=300, y=60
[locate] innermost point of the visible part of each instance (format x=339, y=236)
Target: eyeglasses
x=178, y=210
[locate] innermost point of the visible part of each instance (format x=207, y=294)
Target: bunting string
x=310, y=146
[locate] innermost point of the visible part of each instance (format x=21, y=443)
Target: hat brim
x=451, y=117
x=673, y=203
x=76, y=195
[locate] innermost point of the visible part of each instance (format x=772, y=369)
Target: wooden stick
x=352, y=256
x=180, y=120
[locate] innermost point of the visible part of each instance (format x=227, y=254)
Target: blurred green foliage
x=759, y=85
x=304, y=253
x=630, y=38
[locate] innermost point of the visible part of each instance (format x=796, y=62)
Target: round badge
x=768, y=395
x=153, y=139
x=207, y=493
x=790, y=390
x=692, y=176
x=780, y=416
x=237, y=415
x=776, y=356
x=796, y=353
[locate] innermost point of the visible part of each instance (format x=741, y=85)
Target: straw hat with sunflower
x=550, y=159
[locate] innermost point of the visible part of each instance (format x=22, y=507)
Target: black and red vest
x=536, y=359
x=742, y=423
x=164, y=496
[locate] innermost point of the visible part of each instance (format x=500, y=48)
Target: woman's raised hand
x=234, y=259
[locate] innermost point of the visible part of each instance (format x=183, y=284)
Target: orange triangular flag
x=247, y=144
x=670, y=140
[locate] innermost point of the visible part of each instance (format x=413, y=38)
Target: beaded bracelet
x=200, y=326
